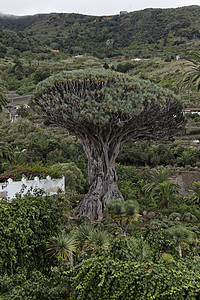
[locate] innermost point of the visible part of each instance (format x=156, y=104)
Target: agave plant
x=62, y=246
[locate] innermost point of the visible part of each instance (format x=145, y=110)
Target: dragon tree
x=105, y=109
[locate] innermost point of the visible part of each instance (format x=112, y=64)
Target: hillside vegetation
x=140, y=33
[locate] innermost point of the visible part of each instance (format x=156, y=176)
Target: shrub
x=36, y=286
x=74, y=178
x=28, y=172
x=26, y=225
x=188, y=217
x=175, y=216
x=102, y=278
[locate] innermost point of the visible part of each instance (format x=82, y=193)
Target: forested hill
x=139, y=33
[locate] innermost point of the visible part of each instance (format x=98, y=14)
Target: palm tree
x=5, y=153
x=16, y=157
x=165, y=193
x=188, y=157
x=157, y=176
x=3, y=98
x=62, y=246
x=191, y=78
x=195, y=199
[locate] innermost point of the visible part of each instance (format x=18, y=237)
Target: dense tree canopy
x=105, y=109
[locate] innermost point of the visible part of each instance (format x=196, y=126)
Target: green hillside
x=156, y=36
x=140, y=33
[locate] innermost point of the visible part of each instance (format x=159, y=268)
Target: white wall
x=50, y=186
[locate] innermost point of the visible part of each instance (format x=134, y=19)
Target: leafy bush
x=102, y=278
x=26, y=225
x=29, y=172
x=74, y=178
x=175, y=216
x=190, y=218
x=181, y=209
x=36, y=286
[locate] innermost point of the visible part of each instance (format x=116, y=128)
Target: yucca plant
x=180, y=234
x=98, y=241
x=82, y=235
x=123, y=212
x=62, y=246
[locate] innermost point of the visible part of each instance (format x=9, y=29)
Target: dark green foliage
x=3, y=98
x=74, y=178
x=122, y=212
x=194, y=198
x=189, y=156
x=193, y=131
x=22, y=286
x=26, y=224
x=40, y=74
x=149, y=154
x=125, y=67
x=23, y=111
x=106, y=66
x=182, y=209
x=194, y=117
x=101, y=278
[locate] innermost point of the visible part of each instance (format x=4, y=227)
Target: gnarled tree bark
x=102, y=178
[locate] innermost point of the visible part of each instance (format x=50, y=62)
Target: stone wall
x=185, y=179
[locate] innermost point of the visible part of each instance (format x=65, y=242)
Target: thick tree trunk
x=102, y=179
